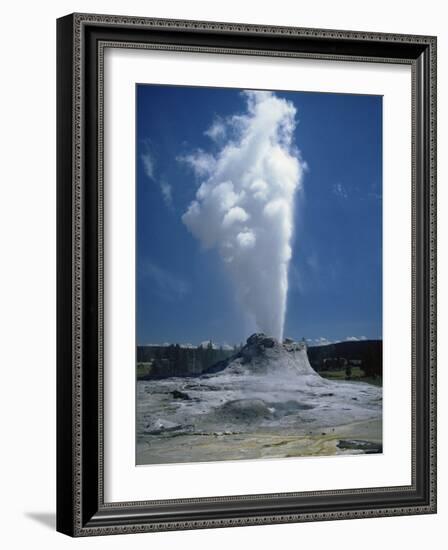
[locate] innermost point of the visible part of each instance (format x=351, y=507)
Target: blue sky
x=184, y=293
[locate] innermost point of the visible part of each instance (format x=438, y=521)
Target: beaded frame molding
x=81, y=40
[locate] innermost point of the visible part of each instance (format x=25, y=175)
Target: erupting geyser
x=244, y=206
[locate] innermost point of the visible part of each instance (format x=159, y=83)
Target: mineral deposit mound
x=268, y=387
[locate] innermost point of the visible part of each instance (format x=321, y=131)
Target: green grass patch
x=143, y=369
x=356, y=374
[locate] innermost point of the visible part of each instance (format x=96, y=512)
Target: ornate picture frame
x=81, y=506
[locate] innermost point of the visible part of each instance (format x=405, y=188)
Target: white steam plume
x=244, y=206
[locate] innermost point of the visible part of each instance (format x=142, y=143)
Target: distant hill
x=155, y=362
x=367, y=354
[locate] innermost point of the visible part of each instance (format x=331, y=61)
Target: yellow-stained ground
x=274, y=444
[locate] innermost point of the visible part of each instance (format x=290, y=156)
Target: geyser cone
x=266, y=356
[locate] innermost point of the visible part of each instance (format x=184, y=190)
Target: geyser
x=244, y=206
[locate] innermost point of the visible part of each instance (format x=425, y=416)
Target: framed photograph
x=246, y=274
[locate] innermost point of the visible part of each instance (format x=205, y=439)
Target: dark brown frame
x=81, y=39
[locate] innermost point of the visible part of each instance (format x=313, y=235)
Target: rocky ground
x=264, y=402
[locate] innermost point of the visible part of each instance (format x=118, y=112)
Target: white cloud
x=201, y=162
x=375, y=191
x=340, y=191
x=168, y=285
x=217, y=131
x=167, y=193
x=244, y=205
x=322, y=341
x=206, y=343
x=149, y=165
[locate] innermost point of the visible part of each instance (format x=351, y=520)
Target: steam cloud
x=244, y=206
